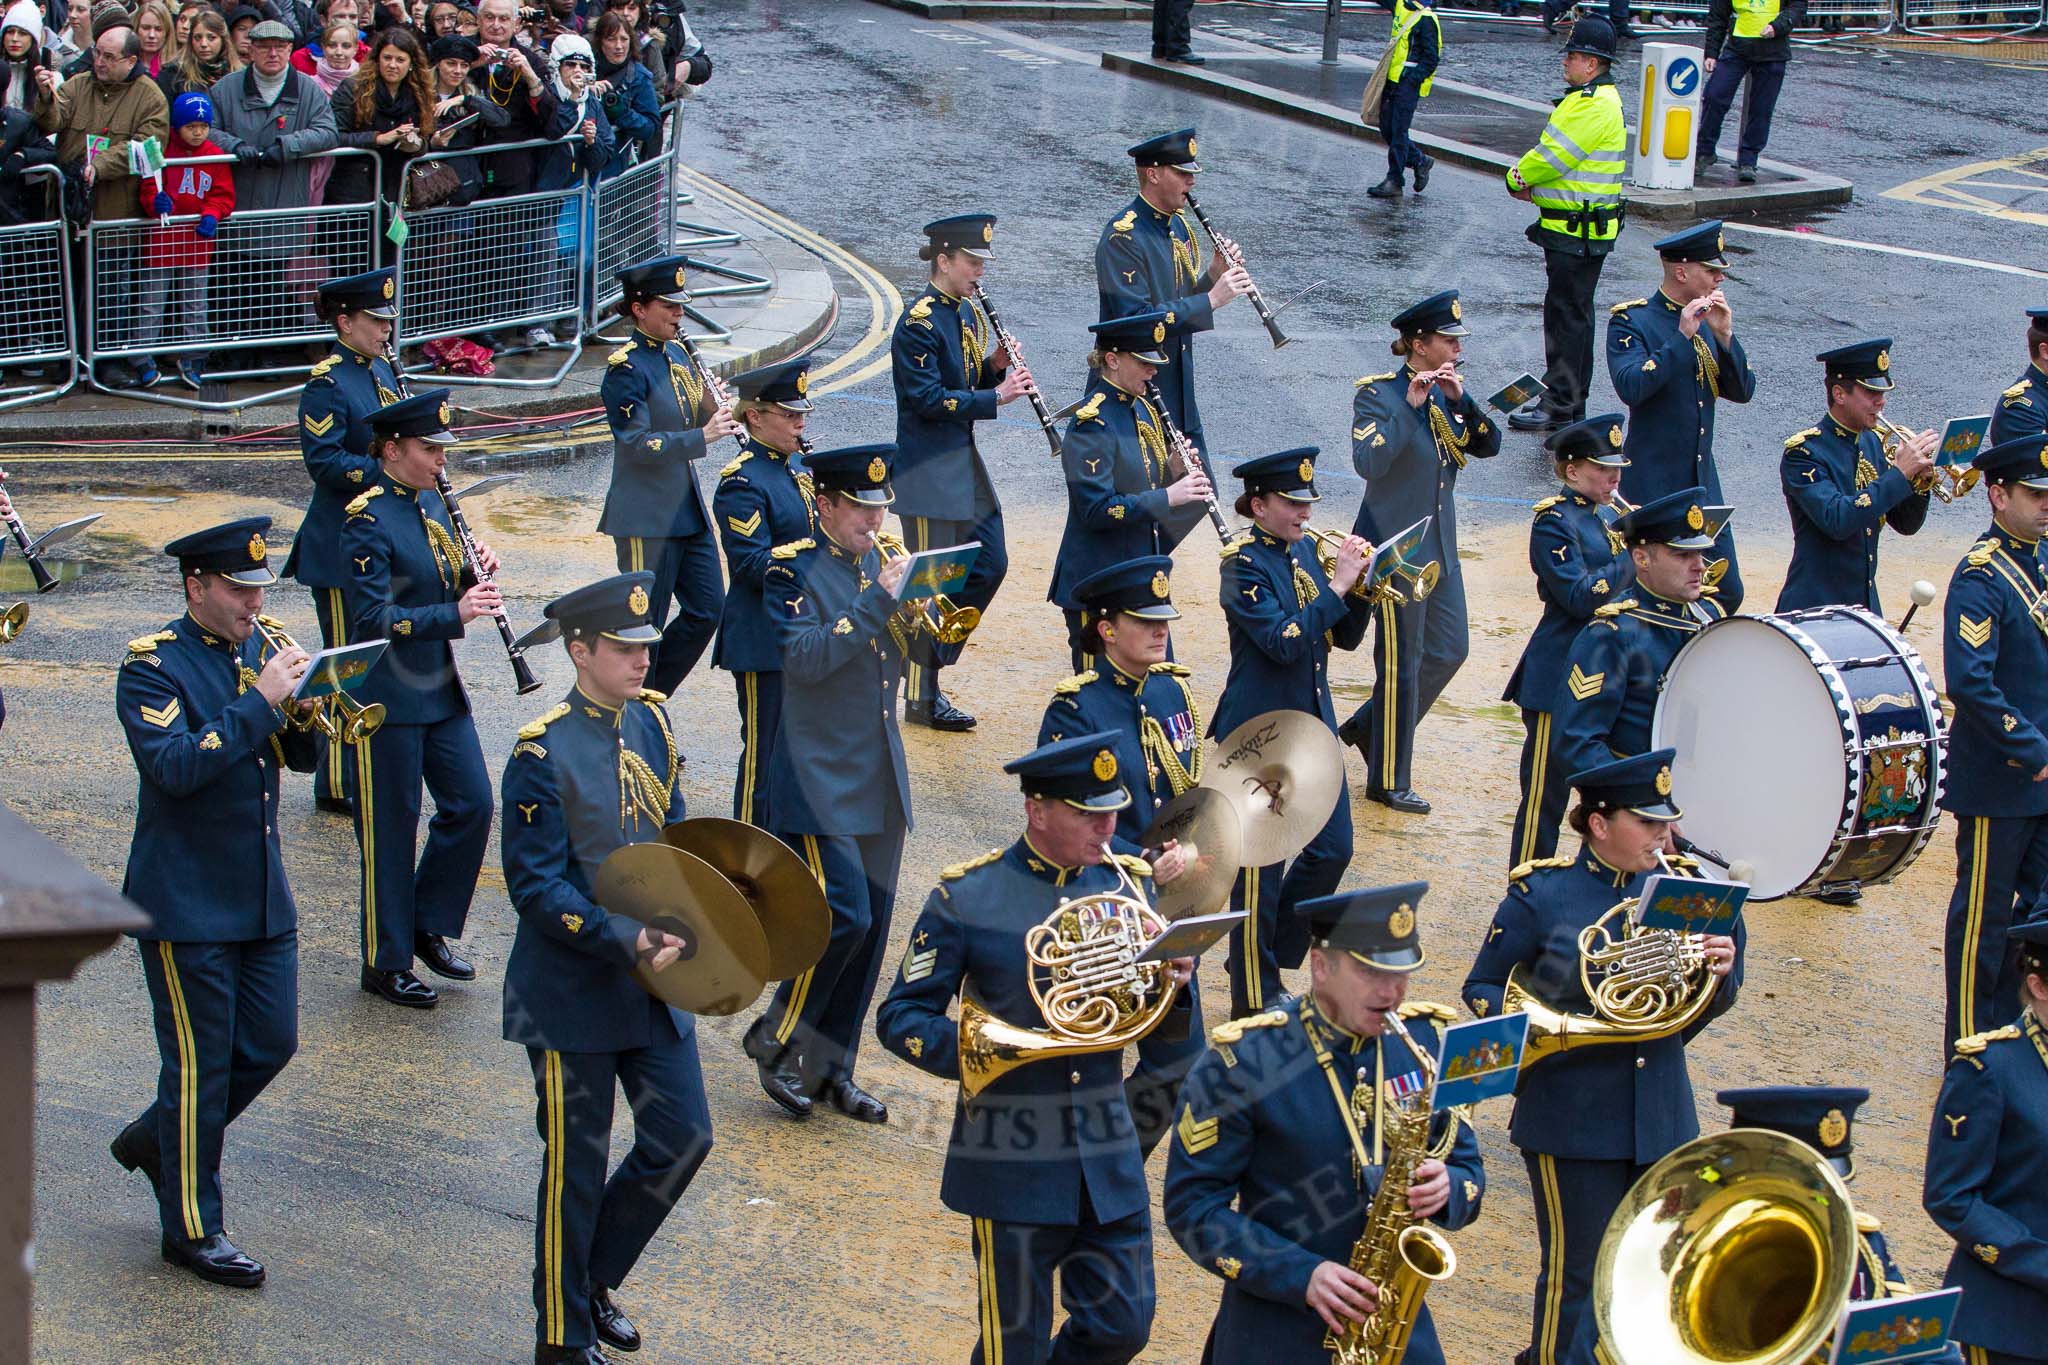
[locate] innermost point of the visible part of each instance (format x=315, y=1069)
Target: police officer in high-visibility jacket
x=1413, y=56
x=1573, y=176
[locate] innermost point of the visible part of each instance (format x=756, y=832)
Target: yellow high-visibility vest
x=1574, y=170
x=1752, y=17
x=1406, y=17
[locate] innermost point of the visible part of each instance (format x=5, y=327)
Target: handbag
x=1375, y=86
x=430, y=184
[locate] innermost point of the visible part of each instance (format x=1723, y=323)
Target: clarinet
x=1009, y=343
x=1189, y=458
x=1235, y=257
x=713, y=385
x=522, y=672
x=45, y=580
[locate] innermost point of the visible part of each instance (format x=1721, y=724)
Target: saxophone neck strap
x=1329, y=1066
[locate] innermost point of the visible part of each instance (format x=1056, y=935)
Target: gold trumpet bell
x=1739, y=1248
x=363, y=721
x=1426, y=581
x=12, y=622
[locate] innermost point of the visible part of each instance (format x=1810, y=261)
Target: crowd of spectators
x=266, y=88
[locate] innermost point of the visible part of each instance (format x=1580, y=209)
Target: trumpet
x=945, y=622
x=1327, y=543
x=12, y=622
x=1423, y=578
x=1946, y=482
x=1231, y=254
x=356, y=723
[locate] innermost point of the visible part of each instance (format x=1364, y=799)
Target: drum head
x=1761, y=772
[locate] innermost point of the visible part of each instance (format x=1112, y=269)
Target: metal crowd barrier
x=35, y=286
x=1941, y=18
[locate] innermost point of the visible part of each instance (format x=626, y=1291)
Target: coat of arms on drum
x=1895, y=782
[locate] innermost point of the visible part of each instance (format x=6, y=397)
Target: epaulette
x=921, y=311
x=1977, y=1042
x=1799, y=438
x=1521, y=870
x=1363, y=380
x=1621, y=308
x=148, y=643
x=1231, y=547
x=1090, y=410
x=1867, y=1223
x=1608, y=611
x=1233, y=1030
x=1980, y=553
x=1067, y=687
x=789, y=551
x=1177, y=670
x=538, y=726
x=734, y=467
x=2017, y=391
x=1133, y=864
x=652, y=697
x=1125, y=223
x=361, y=502
x=959, y=870
x=1553, y=500
x=320, y=370
x=1427, y=1009
x=620, y=356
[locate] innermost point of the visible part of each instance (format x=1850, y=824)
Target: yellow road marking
x=1950, y=189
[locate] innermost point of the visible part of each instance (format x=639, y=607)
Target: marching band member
x=1984, y=1180
x=1148, y=260
x=1411, y=432
x=1265, y=1187
x=1673, y=360
x=949, y=374
x=1608, y=694
x=410, y=584
x=1121, y=499
x=2023, y=409
x=353, y=381
x=599, y=770
x=1285, y=615
x=203, y=705
x=1592, y=1119
x=663, y=418
x=1045, y=1159
x=1581, y=564
x=1145, y=703
x=1841, y=492
x=761, y=502
x=836, y=779
x=1995, y=661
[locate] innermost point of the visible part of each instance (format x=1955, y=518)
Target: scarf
x=579, y=104
x=608, y=69
x=329, y=79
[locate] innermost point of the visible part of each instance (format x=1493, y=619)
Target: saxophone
x=1400, y=1255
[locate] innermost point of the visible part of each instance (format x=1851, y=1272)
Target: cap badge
x=1104, y=766
x=1663, y=782
x=1401, y=923
x=1884, y=361
x=679, y=277
x=445, y=414
x=1191, y=149
x=877, y=471
x=390, y=287
x=2044, y=457
x=1834, y=1128
x=1695, y=518
x=1457, y=313
x=803, y=382
x=1158, y=333
x=636, y=600
x=1720, y=243
x=1160, y=586
x=257, y=549
x=1307, y=472
x=988, y=233
x=1614, y=437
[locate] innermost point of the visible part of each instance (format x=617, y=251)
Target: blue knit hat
x=191, y=107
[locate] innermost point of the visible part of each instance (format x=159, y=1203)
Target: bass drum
x=1810, y=746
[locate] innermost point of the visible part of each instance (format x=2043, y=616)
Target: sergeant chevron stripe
x=918, y=966
x=747, y=527
x=320, y=426
x=1584, y=685
x=1196, y=1137
x=1976, y=634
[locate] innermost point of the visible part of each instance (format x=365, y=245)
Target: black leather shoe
x=214, y=1258
x=1746, y=174
x=1549, y=21
x=939, y=714
x=854, y=1102
x=1389, y=188
x=135, y=1148
x=785, y=1085
x=335, y=805
x=1404, y=800
x=1353, y=732
x=400, y=988
x=1187, y=58
x=1535, y=417
x=442, y=960
x=567, y=1355
x=1626, y=33
x=614, y=1328
x=1422, y=173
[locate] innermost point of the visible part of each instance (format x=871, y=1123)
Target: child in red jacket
x=178, y=256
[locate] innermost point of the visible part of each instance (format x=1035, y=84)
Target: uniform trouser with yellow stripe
x=2001, y=867
x=1416, y=650
x=403, y=899
x=686, y=572
x=227, y=1021
x=1272, y=936
x=991, y=566
x=1106, y=1286
x=760, y=699
x=335, y=778
x=819, y=1014
x=1574, y=1200
x=1544, y=790
x=589, y=1230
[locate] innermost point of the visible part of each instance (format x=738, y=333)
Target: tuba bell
x=1739, y=1248
x=1086, y=980
x=1645, y=984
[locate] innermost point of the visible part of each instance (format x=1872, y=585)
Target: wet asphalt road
x=388, y=1176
